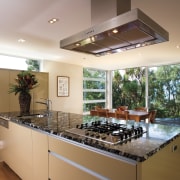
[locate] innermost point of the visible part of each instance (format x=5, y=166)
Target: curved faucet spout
x=47, y=103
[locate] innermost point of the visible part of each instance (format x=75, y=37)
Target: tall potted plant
x=25, y=82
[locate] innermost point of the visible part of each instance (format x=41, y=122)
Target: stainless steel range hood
x=130, y=30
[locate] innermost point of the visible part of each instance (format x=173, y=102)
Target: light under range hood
x=130, y=30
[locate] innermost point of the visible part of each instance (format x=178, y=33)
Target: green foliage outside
x=129, y=89
x=93, y=73
x=33, y=65
x=94, y=85
x=164, y=89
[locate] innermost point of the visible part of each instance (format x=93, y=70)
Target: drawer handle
x=174, y=148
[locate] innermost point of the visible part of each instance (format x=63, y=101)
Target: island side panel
x=105, y=166
x=164, y=165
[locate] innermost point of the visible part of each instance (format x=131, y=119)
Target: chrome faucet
x=46, y=102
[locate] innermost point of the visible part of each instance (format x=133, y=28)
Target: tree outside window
x=128, y=87
x=33, y=65
x=164, y=90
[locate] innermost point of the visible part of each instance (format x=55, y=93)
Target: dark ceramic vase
x=24, y=102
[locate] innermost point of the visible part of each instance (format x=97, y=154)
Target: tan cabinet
x=13, y=99
x=40, y=155
x=25, y=151
x=60, y=169
x=163, y=165
x=42, y=91
x=17, y=152
x=9, y=102
x=4, y=87
x=68, y=161
x=4, y=133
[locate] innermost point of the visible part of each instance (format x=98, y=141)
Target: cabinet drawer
x=101, y=164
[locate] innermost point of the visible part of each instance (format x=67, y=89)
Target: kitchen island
x=59, y=146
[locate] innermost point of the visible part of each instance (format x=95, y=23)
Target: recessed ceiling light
x=138, y=45
x=53, y=20
x=92, y=38
x=115, y=31
x=77, y=44
x=21, y=40
x=119, y=50
x=177, y=46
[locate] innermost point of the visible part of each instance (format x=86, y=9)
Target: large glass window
x=10, y=62
x=164, y=90
x=128, y=87
x=94, y=88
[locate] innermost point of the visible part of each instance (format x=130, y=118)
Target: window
x=164, y=90
x=94, y=89
x=128, y=87
x=10, y=62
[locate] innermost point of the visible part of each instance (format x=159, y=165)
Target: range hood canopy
x=130, y=30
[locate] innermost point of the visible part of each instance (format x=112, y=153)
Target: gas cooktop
x=106, y=132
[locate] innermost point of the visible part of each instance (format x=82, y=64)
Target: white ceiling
x=28, y=19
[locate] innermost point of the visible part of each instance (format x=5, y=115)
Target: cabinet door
x=62, y=169
x=13, y=99
x=4, y=96
x=18, y=150
x=3, y=142
x=40, y=155
x=65, y=158
x=42, y=91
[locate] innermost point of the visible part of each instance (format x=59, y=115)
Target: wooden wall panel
x=4, y=87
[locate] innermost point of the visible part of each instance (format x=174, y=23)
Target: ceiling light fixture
x=138, y=45
x=78, y=44
x=53, y=20
x=115, y=31
x=21, y=40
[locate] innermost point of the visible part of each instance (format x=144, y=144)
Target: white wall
x=73, y=103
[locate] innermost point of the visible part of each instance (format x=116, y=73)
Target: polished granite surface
x=154, y=138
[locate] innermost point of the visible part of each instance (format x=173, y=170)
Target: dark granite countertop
x=156, y=136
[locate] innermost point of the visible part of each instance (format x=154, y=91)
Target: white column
x=109, y=89
x=146, y=93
